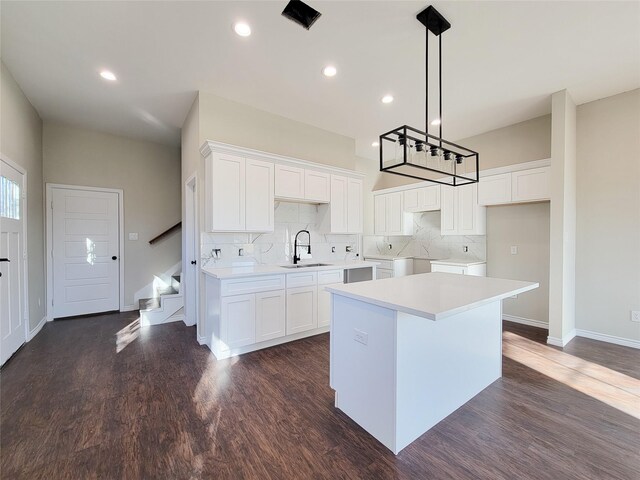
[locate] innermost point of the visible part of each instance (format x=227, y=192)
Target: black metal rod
x=440, y=83
x=426, y=74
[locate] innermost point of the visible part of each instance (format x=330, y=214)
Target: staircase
x=166, y=306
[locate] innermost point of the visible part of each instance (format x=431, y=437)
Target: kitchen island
x=406, y=352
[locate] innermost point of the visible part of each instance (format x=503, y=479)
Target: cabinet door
x=449, y=269
x=467, y=206
x=383, y=273
x=429, y=198
x=227, y=200
x=354, y=205
x=410, y=200
x=324, y=305
x=238, y=316
x=259, y=196
x=531, y=185
x=448, y=214
x=270, y=315
x=380, y=215
x=302, y=309
x=495, y=189
x=339, y=204
x=289, y=182
x=394, y=213
x=317, y=186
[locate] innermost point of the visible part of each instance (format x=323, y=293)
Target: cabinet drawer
x=330, y=276
x=240, y=286
x=302, y=279
x=383, y=273
x=449, y=269
x=388, y=264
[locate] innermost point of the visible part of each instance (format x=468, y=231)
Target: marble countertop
x=458, y=262
x=396, y=257
x=433, y=295
x=257, y=270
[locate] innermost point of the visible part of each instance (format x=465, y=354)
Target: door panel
x=270, y=315
x=86, y=279
x=302, y=309
x=259, y=196
x=12, y=294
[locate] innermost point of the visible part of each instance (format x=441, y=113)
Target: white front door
x=86, y=253
x=12, y=261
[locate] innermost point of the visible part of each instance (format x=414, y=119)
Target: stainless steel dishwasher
x=360, y=274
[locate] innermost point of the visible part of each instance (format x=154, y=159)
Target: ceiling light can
x=243, y=29
x=329, y=71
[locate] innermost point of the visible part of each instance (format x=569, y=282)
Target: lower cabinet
x=324, y=305
x=238, y=321
x=302, y=309
x=478, y=269
x=270, y=315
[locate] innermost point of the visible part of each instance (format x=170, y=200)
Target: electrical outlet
x=514, y=249
x=215, y=253
x=349, y=248
x=635, y=316
x=360, y=336
x=465, y=249
x=333, y=249
x=390, y=246
x=133, y=236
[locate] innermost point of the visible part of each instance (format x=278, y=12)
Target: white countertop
x=396, y=257
x=257, y=270
x=458, y=262
x=433, y=295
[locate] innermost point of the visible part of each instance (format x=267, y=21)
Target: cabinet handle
x=4, y=260
x=114, y=258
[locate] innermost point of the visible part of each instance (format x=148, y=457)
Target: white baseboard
x=603, y=337
x=561, y=342
x=129, y=308
x=35, y=330
x=525, y=321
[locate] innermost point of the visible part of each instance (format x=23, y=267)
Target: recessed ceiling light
x=387, y=99
x=329, y=71
x=242, y=29
x=107, y=75
x=435, y=122
x=375, y=144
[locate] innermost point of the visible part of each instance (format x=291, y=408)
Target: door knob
x=193, y=262
x=114, y=258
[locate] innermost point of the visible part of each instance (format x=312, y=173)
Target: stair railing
x=168, y=231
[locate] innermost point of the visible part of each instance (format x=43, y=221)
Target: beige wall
x=527, y=227
x=608, y=215
x=517, y=143
x=148, y=173
x=237, y=124
x=21, y=142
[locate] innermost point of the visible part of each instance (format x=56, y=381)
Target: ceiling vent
x=301, y=13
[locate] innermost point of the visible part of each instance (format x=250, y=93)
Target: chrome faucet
x=296, y=258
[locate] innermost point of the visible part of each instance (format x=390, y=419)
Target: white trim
x=603, y=337
x=561, y=342
x=210, y=146
x=516, y=167
x=49, y=238
x=525, y=321
x=35, y=330
x=129, y=308
x=192, y=310
x=25, y=255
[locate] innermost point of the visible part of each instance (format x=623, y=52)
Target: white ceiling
x=501, y=61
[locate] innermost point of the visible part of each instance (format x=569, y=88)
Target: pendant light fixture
x=413, y=153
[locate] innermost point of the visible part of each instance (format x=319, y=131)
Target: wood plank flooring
x=100, y=397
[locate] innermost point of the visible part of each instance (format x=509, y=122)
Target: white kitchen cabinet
x=324, y=305
x=302, y=309
x=317, y=186
x=389, y=217
x=423, y=199
x=289, y=182
x=344, y=212
x=383, y=273
x=475, y=269
x=495, y=189
x=239, y=194
x=239, y=321
x=259, y=194
x=531, y=185
x=225, y=193
x=270, y=315
x=391, y=267
x=460, y=213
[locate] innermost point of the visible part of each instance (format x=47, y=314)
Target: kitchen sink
x=305, y=265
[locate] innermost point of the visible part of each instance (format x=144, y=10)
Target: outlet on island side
x=360, y=336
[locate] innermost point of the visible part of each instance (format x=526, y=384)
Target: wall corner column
x=562, y=255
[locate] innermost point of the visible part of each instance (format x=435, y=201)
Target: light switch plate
x=133, y=236
x=514, y=249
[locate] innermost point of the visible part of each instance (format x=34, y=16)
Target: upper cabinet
x=460, y=212
x=389, y=216
x=423, y=199
x=344, y=213
x=530, y=185
x=302, y=184
x=239, y=194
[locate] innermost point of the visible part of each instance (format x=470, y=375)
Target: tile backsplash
x=427, y=242
x=277, y=247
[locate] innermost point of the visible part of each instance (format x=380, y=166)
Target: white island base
x=397, y=374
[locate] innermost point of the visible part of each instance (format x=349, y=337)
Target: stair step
x=176, y=277
x=149, y=303
x=166, y=291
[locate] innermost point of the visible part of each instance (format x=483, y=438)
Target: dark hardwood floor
x=99, y=398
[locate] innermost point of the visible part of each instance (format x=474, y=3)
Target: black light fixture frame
x=423, y=140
